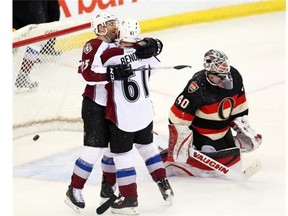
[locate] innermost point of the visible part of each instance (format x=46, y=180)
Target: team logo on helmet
x=193, y=87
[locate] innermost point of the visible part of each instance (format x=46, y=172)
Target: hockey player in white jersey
x=130, y=110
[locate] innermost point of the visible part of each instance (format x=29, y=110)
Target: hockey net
x=47, y=92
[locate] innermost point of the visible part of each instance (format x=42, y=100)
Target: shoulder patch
x=87, y=48
x=193, y=87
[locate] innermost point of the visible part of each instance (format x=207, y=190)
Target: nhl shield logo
x=192, y=87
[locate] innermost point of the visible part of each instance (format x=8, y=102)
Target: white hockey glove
x=180, y=141
x=246, y=138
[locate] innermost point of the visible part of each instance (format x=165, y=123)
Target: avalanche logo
x=193, y=87
x=87, y=48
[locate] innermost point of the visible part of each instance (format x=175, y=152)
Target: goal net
x=47, y=92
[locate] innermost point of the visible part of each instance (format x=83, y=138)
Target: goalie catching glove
x=119, y=72
x=246, y=138
x=148, y=47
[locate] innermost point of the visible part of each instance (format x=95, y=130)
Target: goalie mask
x=216, y=63
x=103, y=19
x=129, y=31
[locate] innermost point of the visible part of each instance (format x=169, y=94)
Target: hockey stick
x=177, y=67
x=228, y=172
x=106, y=205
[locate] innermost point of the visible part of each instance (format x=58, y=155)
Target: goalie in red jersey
x=202, y=116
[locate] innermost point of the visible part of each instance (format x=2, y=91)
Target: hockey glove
x=148, y=47
x=119, y=72
x=246, y=138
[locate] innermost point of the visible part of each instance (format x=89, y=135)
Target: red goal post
x=47, y=92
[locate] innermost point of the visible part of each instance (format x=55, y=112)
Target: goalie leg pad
x=227, y=157
x=180, y=140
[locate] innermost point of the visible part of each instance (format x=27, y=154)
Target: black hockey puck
x=36, y=137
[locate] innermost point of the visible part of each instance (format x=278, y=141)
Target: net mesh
x=47, y=92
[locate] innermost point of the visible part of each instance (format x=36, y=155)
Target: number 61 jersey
x=129, y=105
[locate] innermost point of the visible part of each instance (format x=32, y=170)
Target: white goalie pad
x=246, y=138
x=180, y=140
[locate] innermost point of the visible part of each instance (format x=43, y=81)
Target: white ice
x=256, y=47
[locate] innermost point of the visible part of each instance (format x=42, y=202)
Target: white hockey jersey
x=129, y=105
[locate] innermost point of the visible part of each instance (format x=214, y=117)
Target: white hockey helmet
x=102, y=19
x=217, y=63
x=129, y=30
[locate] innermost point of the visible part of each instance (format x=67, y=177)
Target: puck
x=36, y=137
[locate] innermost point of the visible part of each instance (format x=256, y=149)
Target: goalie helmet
x=129, y=30
x=217, y=63
x=102, y=19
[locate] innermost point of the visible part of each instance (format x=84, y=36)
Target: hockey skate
x=106, y=192
x=125, y=206
x=166, y=190
x=74, y=199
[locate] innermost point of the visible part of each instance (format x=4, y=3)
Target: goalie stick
x=176, y=67
x=106, y=205
x=251, y=170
